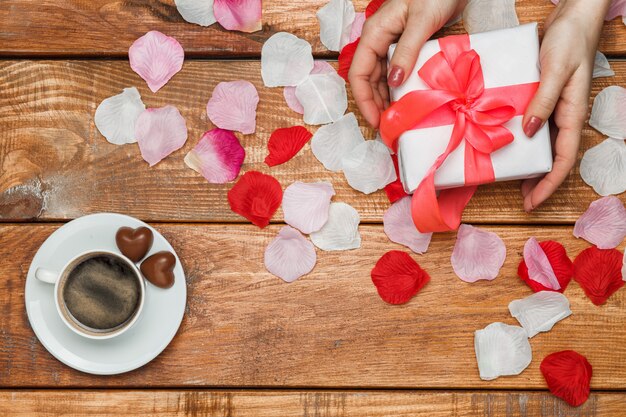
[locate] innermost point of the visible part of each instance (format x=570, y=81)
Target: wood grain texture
x=71, y=403
x=246, y=328
x=108, y=27
x=54, y=164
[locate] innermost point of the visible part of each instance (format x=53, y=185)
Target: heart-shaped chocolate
x=134, y=243
x=159, y=269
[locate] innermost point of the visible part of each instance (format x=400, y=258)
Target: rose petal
x=501, y=350
x=241, y=15
x=477, y=254
x=334, y=141
x=357, y=27
x=597, y=271
x=607, y=114
x=486, y=15
x=156, y=58
x=341, y=231
x=233, y=106
x=601, y=66
x=218, y=156
x=568, y=375
x=617, y=8
x=199, y=12
x=603, y=167
x=323, y=97
x=306, y=205
x=395, y=190
x=290, y=255
x=256, y=197
x=285, y=60
x=372, y=7
x=539, y=267
x=559, y=261
x=540, y=311
x=398, y=278
x=159, y=132
x=368, y=167
x=345, y=59
x=289, y=92
x=285, y=143
x=624, y=266
x=399, y=227
x=603, y=224
x=115, y=117
x=335, y=20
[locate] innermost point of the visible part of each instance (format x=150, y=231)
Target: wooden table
x=251, y=345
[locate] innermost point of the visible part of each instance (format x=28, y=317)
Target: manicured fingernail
x=532, y=126
x=396, y=76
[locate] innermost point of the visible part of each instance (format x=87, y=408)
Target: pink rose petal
x=218, y=156
x=357, y=26
x=319, y=67
x=603, y=224
x=477, y=254
x=399, y=227
x=233, y=106
x=306, y=205
x=290, y=255
x=539, y=268
x=241, y=15
x=159, y=132
x=156, y=58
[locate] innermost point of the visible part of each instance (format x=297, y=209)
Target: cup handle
x=47, y=276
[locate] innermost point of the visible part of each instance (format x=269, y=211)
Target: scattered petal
x=115, y=117
x=334, y=141
x=398, y=278
x=603, y=224
x=199, y=12
x=598, y=273
x=289, y=92
x=357, y=27
x=501, y=350
x=372, y=7
x=156, y=58
x=290, y=255
x=399, y=227
x=539, y=267
x=617, y=8
x=256, y=197
x=603, y=167
x=336, y=19
x=233, y=106
x=323, y=97
x=285, y=143
x=368, y=167
x=477, y=254
x=218, y=156
x=624, y=266
x=285, y=60
x=486, y=15
x=568, y=375
x=540, y=311
x=345, y=59
x=607, y=114
x=241, y=15
x=341, y=231
x=562, y=267
x=306, y=205
x=159, y=132
x=601, y=66
x=395, y=190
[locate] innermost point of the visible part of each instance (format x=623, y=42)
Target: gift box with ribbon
x=456, y=122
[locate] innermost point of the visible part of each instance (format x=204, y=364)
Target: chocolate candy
x=134, y=243
x=159, y=269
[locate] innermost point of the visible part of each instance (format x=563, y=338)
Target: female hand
x=567, y=54
x=413, y=21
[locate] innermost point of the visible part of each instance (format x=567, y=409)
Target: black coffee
x=102, y=292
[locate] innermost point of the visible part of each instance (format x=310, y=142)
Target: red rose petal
x=568, y=375
x=598, y=271
x=398, y=277
x=285, y=143
x=395, y=190
x=561, y=265
x=256, y=197
x=345, y=59
x=372, y=7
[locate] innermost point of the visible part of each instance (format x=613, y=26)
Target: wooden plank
x=55, y=165
x=303, y=403
x=108, y=27
x=247, y=328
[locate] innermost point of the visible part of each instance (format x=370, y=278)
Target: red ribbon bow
x=458, y=96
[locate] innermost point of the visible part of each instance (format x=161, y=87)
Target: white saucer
x=149, y=336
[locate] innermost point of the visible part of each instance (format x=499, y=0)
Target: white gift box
x=508, y=57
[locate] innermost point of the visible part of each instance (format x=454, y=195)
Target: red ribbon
x=458, y=96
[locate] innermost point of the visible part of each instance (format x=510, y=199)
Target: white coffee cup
x=60, y=278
